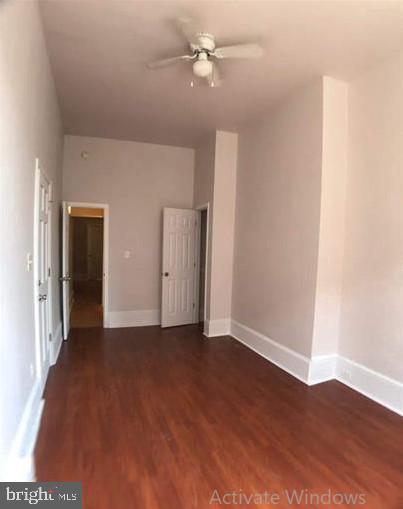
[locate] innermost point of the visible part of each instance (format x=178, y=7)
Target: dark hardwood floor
x=149, y=418
x=87, y=307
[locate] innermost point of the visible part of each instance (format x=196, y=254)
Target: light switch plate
x=29, y=262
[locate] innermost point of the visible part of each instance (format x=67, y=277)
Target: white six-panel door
x=42, y=272
x=178, y=266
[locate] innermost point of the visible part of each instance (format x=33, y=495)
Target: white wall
x=277, y=220
x=319, y=234
x=215, y=184
x=137, y=180
x=332, y=218
x=372, y=310
x=225, y=169
x=29, y=127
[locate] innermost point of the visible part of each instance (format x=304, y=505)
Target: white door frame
x=105, y=254
x=199, y=209
x=36, y=261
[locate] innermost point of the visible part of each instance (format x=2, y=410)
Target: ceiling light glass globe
x=202, y=68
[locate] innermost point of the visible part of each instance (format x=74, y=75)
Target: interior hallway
x=87, y=307
x=156, y=418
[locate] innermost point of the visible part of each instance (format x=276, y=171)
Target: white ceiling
x=98, y=50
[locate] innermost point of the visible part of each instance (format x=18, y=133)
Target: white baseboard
x=56, y=344
x=380, y=388
x=283, y=357
x=322, y=368
x=19, y=465
x=215, y=328
x=374, y=385
x=19, y=470
x=134, y=318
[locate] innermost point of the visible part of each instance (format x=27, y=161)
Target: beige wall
x=29, y=127
x=332, y=218
x=137, y=180
x=204, y=171
x=319, y=221
x=277, y=220
x=215, y=183
x=372, y=310
x=225, y=169
x=203, y=193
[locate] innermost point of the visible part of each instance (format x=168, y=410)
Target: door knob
x=165, y=274
x=42, y=297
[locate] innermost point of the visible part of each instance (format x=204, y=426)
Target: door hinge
x=50, y=336
x=194, y=305
x=49, y=272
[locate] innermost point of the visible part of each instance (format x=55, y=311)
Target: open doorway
x=202, y=266
x=86, y=261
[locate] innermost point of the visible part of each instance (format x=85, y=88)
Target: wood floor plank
x=149, y=418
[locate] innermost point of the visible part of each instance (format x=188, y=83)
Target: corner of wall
x=328, y=295
x=223, y=226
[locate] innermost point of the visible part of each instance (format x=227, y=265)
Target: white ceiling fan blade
x=189, y=29
x=239, y=51
x=168, y=61
x=214, y=79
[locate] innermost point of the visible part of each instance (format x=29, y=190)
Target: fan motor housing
x=206, y=42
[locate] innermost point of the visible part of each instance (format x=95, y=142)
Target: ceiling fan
x=205, y=54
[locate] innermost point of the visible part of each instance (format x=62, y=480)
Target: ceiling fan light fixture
x=202, y=67
x=205, y=54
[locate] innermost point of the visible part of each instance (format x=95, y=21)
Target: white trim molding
x=283, y=357
x=216, y=328
x=19, y=469
x=56, y=344
x=19, y=465
x=133, y=318
x=322, y=368
x=372, y=384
